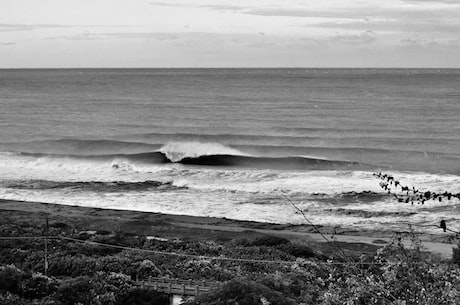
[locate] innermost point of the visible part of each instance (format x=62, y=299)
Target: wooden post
x=46, y=247
x=196, y=290
x=183, y=289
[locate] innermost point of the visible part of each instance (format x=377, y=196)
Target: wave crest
x=177, y=151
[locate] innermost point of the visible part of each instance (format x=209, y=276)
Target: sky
x=229, y=33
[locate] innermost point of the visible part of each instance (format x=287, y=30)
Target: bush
x=456, y=255
x=299, y=250
x=269, y=241
x=242, y=291
x=11, y=279
x=141, y=296
x=75, y=291
x=38, y=286
x=400, y=276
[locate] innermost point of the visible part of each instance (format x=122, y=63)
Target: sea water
x=235, y=143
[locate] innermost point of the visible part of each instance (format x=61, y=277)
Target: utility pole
x=46, y=247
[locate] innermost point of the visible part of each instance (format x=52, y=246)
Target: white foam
x=176, y=151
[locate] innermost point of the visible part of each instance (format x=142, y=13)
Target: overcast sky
x=229, y=33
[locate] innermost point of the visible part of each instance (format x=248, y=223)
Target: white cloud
x=227, y=32
x=356, y=39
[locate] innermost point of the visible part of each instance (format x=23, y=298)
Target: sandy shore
x=200, y=228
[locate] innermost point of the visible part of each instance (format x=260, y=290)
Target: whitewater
x=235, y=142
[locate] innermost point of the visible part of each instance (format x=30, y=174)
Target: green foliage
x=397, y=274
x=456, y=255
x=14, y=281
x=269, y=241
x=400, y=275
x=242, y=291
x=38, y=286
x=106, y=288
x=75, y=291
x=141, y=296
x=11, y=279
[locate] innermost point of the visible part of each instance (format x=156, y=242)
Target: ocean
x=235, y=143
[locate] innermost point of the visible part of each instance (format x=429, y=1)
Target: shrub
x=456, y=255
x=11, y=279
x=142, y=296
x=242, y=291
x=38, y=286
x=75, y=291
x=269, y=241
x=299, y=250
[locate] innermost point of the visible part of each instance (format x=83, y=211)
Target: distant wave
x=79, y=147
x=369, y=214
x=100, y=186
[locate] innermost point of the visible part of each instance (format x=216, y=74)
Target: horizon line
x=274, y=67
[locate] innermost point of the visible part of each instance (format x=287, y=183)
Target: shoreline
x=201, y=227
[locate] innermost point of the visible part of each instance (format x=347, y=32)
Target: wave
x=353, y=197
x=99, y=186
x=218, y=160
x=194, y=145
x=79, y=147
x=178, y=151
x=278, y=152
x=369, y=214
x=288, y=163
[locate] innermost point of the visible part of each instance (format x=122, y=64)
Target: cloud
x=361, y=13
x=403, y=26
x=219, y=7
x=419, y=42
x=431, y=1
x=366, y=37
x=7, y=43
x=11, y=27
x=102, y=36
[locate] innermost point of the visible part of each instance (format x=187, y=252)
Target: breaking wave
x=99, y=186
x=217, y=160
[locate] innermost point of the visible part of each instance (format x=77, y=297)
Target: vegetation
x=88, y=273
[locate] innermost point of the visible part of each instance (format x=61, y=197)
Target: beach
x=192, y=228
